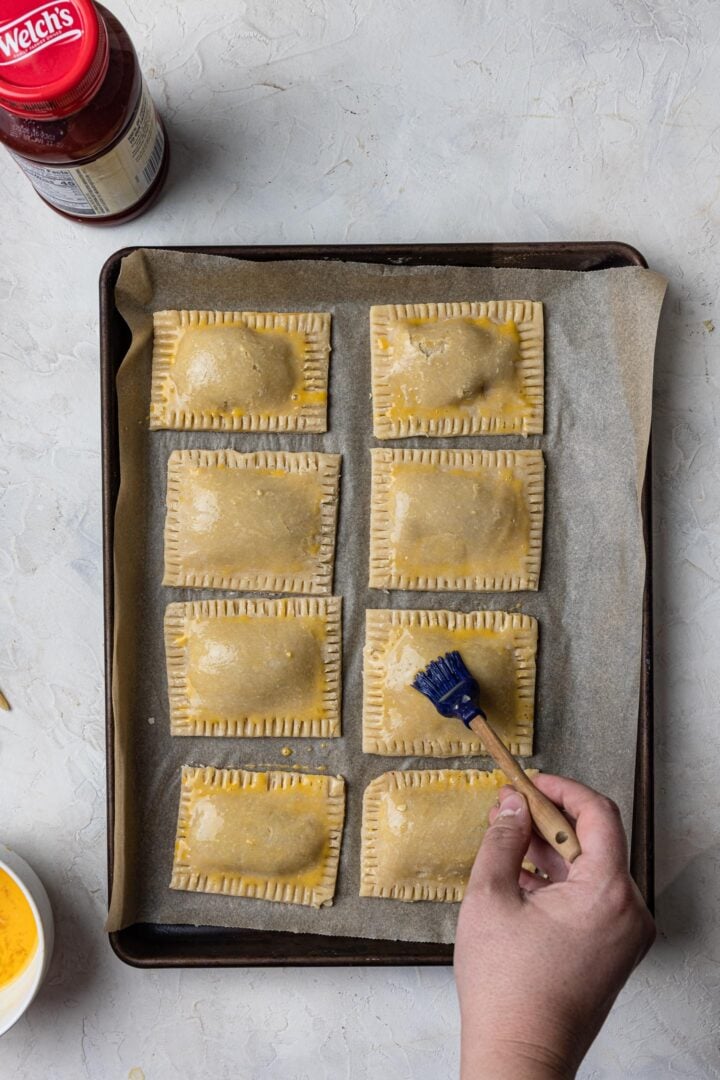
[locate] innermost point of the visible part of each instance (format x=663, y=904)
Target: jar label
x=115, y=181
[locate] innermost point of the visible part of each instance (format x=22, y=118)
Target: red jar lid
x=53, y=56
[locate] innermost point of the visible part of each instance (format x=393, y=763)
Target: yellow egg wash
x=18, y=930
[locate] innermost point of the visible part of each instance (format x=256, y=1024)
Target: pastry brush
x=448, y=684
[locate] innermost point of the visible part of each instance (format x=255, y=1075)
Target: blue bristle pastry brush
x=448, y=684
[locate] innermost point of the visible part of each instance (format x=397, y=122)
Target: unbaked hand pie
x=259, y=522
x=457, y=369
x=499, y=651
x=240, y=370
x=421, y=831
x=254, y=667
x=456, y=519
x=267, y=835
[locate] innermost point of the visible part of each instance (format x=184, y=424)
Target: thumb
x=498, y=862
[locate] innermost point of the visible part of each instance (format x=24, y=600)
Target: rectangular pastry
x=456, y=519
x=421, y=831
x=267, y=835
x=254, y=667
x=240, y=370
x=259, y=522
x=499, y=651
x=457, y=369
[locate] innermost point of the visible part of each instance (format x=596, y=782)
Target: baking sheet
x=600, y=332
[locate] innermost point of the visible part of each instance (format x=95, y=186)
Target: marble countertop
x=306, y=121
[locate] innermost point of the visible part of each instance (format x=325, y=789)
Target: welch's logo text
x=47, y=25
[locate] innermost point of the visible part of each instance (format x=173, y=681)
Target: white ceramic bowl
x=17, y=995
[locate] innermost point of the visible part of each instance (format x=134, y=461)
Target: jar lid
x=53, y=56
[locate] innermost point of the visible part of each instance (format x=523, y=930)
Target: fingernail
x=511, y=805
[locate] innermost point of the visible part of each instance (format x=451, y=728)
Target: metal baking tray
x=160, y=945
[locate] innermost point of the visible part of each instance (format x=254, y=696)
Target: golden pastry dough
x=254, y=667
x=240, y=370
x=259, y=522
x=268, y=835
x=456, y=519
x=421, y=831
x=457, y=369
x=499, y=650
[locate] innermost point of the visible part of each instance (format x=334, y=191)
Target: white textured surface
x=356, y=120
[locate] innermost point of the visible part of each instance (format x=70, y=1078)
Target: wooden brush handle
x=550, y=822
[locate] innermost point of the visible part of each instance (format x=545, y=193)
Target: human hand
x=539, y=963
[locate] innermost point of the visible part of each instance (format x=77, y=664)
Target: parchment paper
x=599, y=344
